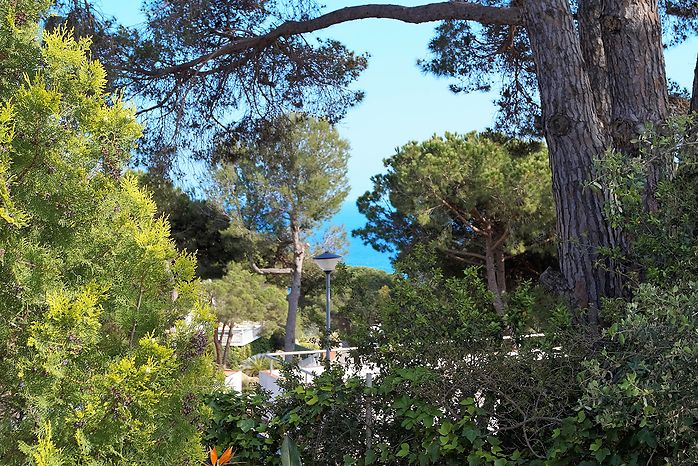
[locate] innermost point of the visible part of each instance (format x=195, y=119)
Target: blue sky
x=402, y=103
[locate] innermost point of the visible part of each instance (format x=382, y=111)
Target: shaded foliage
x=622, y=397
x=197, y=226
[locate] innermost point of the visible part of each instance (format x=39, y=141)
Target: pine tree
x=283, y=186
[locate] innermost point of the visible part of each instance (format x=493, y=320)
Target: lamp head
x=327, y=261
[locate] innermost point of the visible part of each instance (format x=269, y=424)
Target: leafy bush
x=242, y=420
x=639, y=402
x=445, y=374
x=622, y=395
x=662, y=228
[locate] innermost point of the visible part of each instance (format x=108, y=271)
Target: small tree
x=280, y=188
x=242, y=295
x=358, y=293
x=482, y=198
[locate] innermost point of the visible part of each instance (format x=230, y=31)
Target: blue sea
x=359, y=253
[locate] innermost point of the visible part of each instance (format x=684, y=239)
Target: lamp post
x=327, y=261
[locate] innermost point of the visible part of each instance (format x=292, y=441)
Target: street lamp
x=327, y=261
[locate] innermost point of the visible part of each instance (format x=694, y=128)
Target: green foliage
x=245, y=296
x=428, y=315
x=405, y=428
x=278, y=189
x=357, y=294
x=664, y=238
x=45, y=452
x=236, y=355
x=301, y=76
x=240, y=419
x=450, y=390
x=625, y=397
x=444, y=375
x=290, y=456
x=103, y=332
x=639, y=398
x=239, y=356
x=295, y=174
x=257, y=363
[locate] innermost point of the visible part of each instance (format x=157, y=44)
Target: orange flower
x=224, y=458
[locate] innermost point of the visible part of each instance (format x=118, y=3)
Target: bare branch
x=418, y=14
x=271, y=270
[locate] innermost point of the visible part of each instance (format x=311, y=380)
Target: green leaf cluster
x=638, y=399
x=663, y=237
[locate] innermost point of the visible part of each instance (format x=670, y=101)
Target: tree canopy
x=480, y=199
x=585, y=76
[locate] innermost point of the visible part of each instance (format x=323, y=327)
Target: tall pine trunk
x=574, y=134
x=632, y=38
x=594, y=54
x=295, y=294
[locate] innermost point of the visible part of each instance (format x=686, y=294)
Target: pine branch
x=442, y=11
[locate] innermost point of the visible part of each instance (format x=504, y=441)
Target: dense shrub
x=639, y=402
x=663, y=237
x=624, y=395
x=103, y=335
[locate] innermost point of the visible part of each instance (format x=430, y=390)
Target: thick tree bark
x=574, y=136
x=295, y=294
x=491, y=270
x=632, y=37
x=591, y=40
